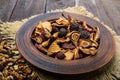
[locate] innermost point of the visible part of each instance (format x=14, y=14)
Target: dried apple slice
x=47, y=25
x=75, y=38
x=76, y=53
x=69, y=55
x=54, y=48
x=84, y=43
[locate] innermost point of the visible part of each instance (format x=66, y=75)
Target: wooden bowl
x=105, y=52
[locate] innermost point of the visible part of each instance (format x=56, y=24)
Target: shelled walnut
x=66, y=38
x=13, y=66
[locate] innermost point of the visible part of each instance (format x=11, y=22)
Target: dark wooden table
x=107, y=10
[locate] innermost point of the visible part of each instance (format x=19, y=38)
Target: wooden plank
x=112, y=8
x=59, y=4
x=27, y=8
x=90, y=5
x=107, y=11
x=6, y=8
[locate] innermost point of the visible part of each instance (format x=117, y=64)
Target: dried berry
x=68, y=46
x=60, y=55
x=84, y=34
x=62, y=32
x=54, y=29
x=74, y=26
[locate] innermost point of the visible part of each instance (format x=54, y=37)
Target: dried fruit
x=84, y=43
x=54, y=29
x=62, y=21
x=68, y=46
x=75, y=38
x=86, y=27
x=62, y=32
x=66, y=38
x=54, y=48
x=60, y=55
x=37, y=39
x=97, y=34
x=76, y=53
x=69, y=55
x=74, y=26
x=84, y=34
x=45, y=43
x=47, y=25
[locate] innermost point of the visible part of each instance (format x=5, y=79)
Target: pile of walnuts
x=66, y=38
x=12, y=65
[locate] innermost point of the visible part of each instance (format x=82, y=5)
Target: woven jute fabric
x=110, y=72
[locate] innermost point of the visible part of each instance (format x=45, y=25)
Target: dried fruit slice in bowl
x=68, y=46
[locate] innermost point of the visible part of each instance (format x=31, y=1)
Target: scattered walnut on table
x=13, y=66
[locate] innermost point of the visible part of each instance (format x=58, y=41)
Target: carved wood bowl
x=104, y=54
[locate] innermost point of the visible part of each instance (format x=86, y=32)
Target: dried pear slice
x=54, y=48
x=75, y=38
x=45, y=43
x=62, y=21
x=86, y=27
x=69, y=55
x=93, y=50
x=76, y=53
x=37, y=39
x=97, y=34
x=85, y=50
x=39, y=29
x=47, y=25
x=55, y=35
x=38, y=46
x=94, y=44
x=62, y=40
x=84, y=43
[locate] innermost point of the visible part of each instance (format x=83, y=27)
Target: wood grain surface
x=104, y=54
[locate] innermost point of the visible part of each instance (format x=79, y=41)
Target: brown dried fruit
x=66, y=38
x=68, y=46
x=62, y=40
x=69, y=55
x=75, y=38
x=97, y=34
x=47, y=33
x=54, y=48
x=84, y=43
x=47, y=25
x=37, y=39
x=93, y=50
x=86, y=27
x=38, y=29
x=85, y=50
x=41, y=48
x=62, y=21
x=45, y=43
x=76, y=53
x=60, y=55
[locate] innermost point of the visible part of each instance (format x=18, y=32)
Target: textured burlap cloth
x=109, y=72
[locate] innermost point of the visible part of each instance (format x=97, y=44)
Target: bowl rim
x=57, y=66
